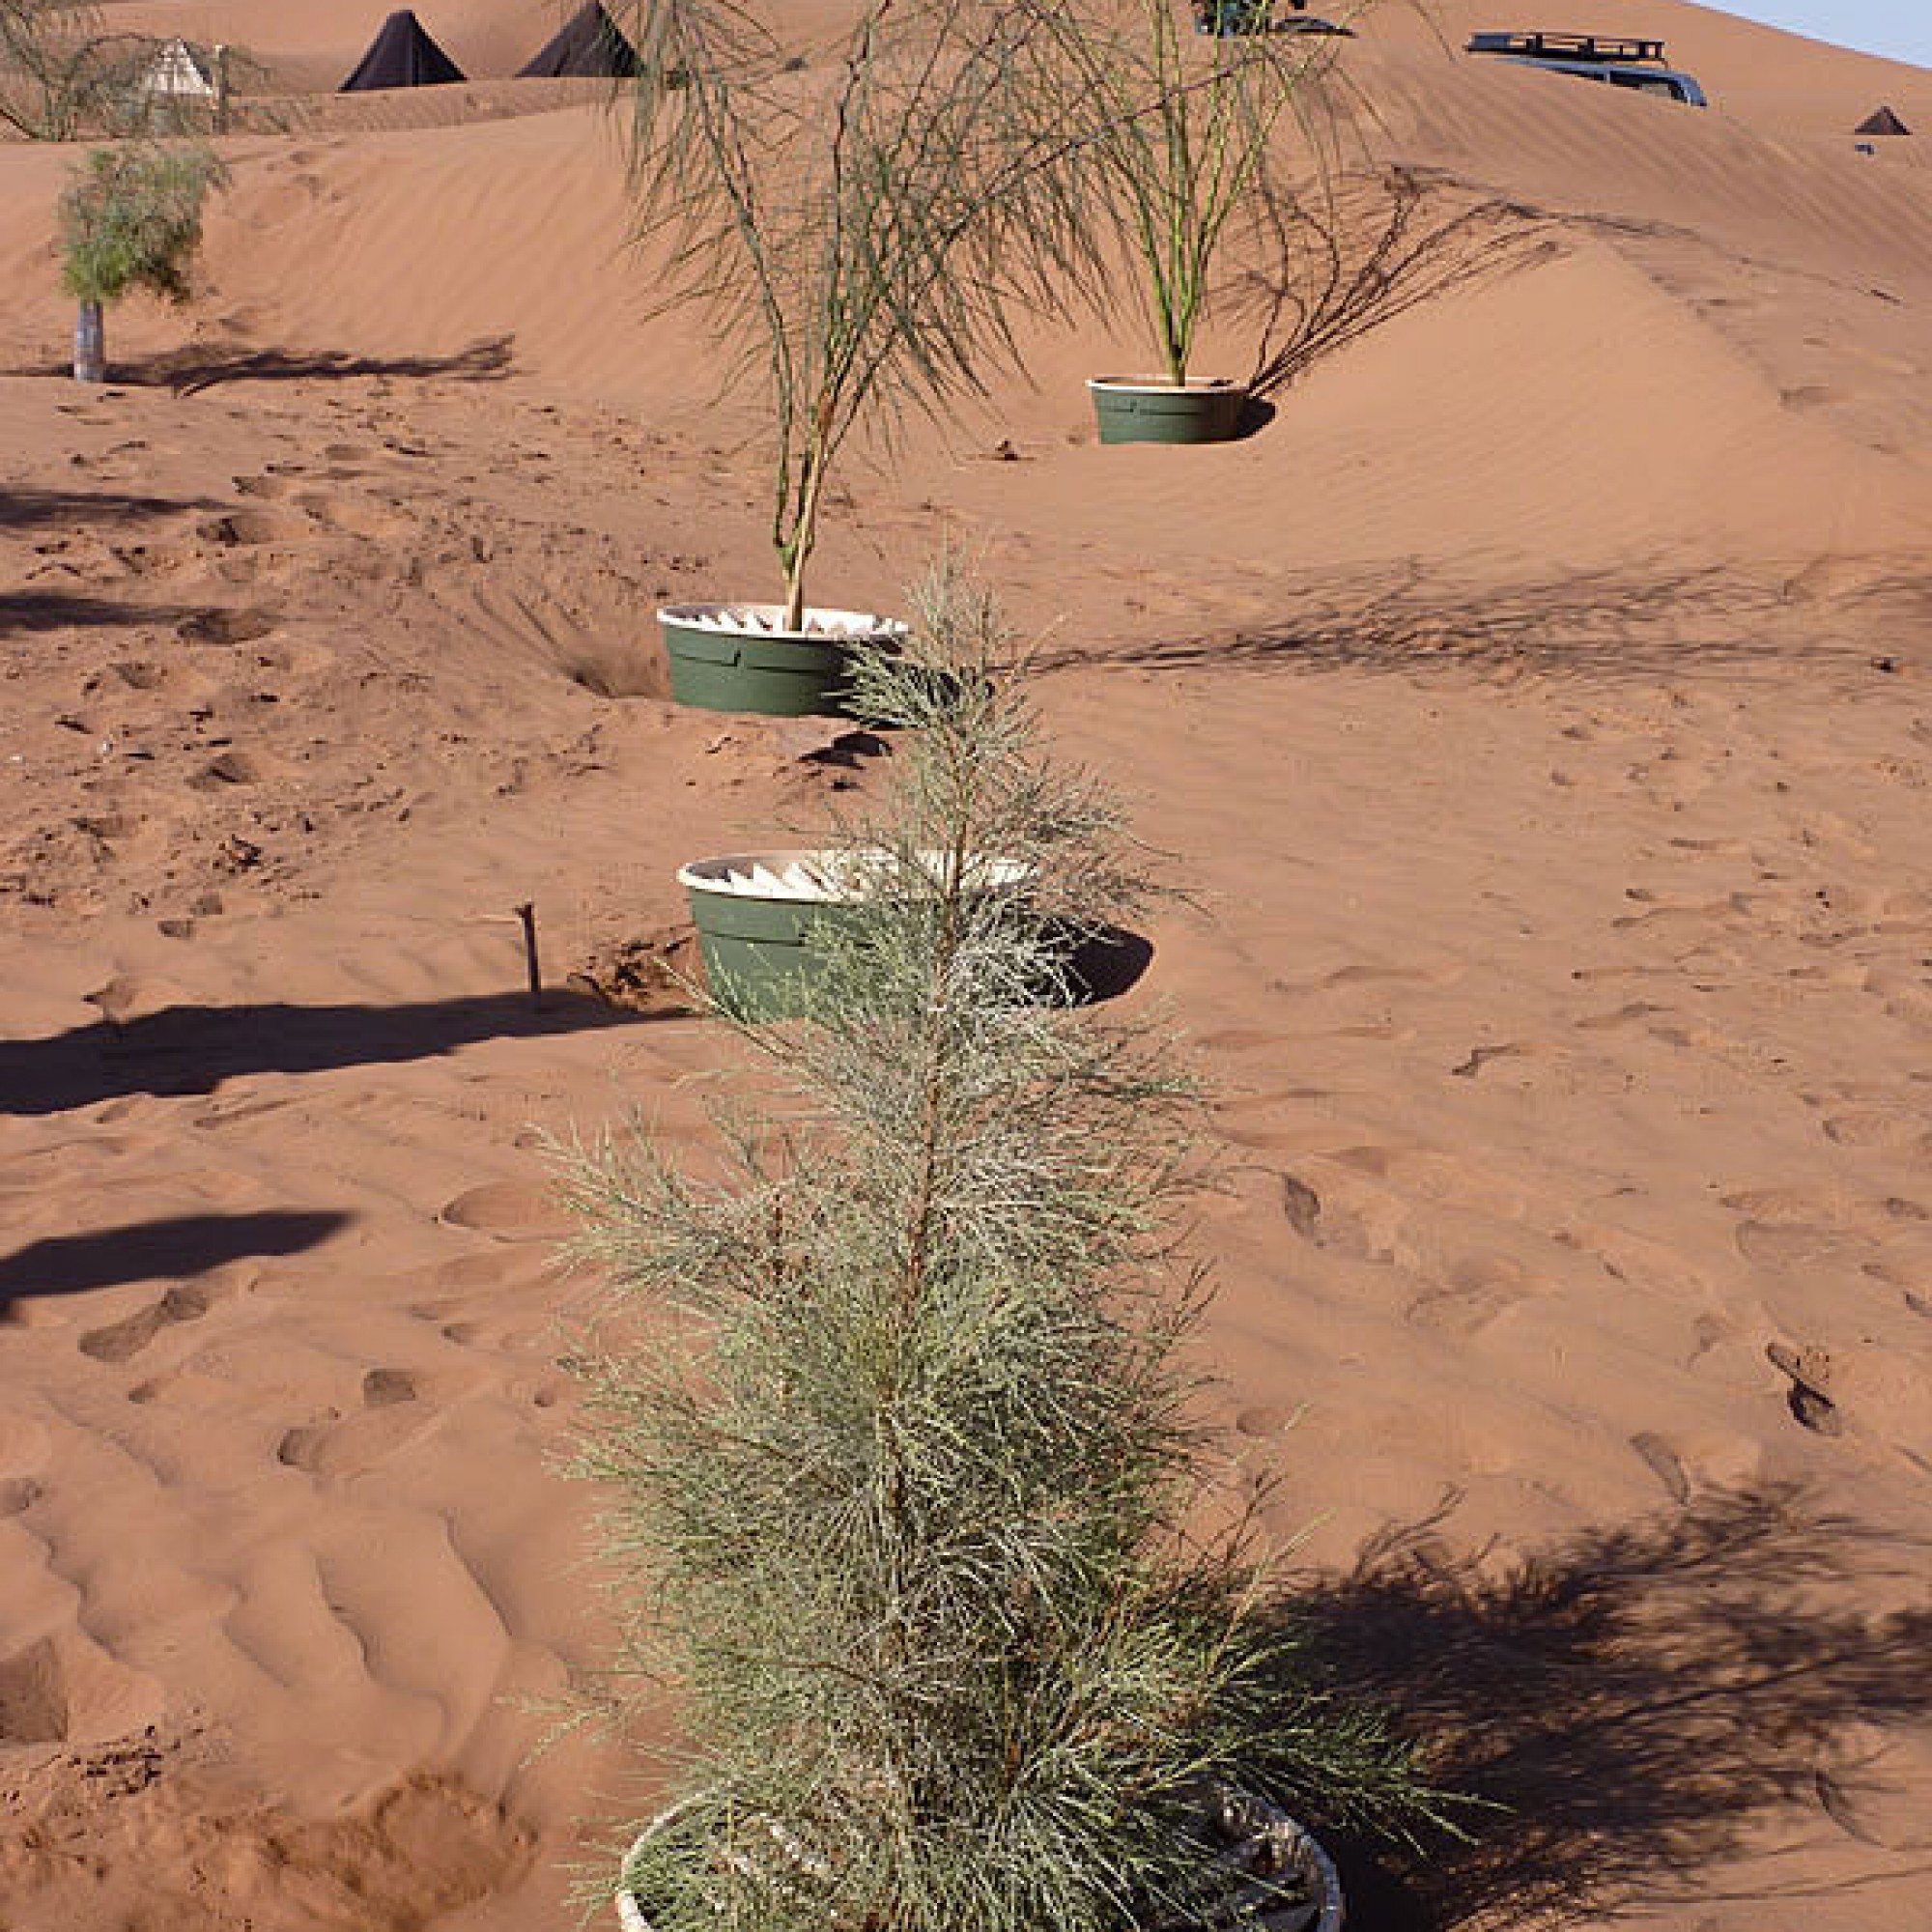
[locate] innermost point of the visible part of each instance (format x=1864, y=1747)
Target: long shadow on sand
x=31, y=509
x=206, y=365
x=25, y=610
x=1639, y=1703
x=190, y=371
x=1600, y=625
x=194, y=1049
x=1338, y=268
x=177, y=1247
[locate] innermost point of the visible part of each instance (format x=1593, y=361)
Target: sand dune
x=1538, y=704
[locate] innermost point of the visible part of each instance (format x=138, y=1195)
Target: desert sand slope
x=1540, y=708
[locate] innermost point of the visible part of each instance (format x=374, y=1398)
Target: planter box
x=1264, y=1848
x=740, y=657
x=1146, y=409
x=761, y=918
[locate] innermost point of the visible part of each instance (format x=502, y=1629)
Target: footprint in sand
x=1878, y=1127
x=65, y=1689
x=122, y=1341
x=1788, y=1245
x=488, y=1267
x=355, y=516
x=1664, y=1463
x=342, y=1447
x=247, y=529
x=1477, y=1291
x=1265, y=1419
x=1686, y=1463
x=269, y=488
x=508, y=1209
x=25, y=1449
x=383, y=1388
x=225, y=627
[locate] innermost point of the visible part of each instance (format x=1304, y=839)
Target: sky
x=1899, y=28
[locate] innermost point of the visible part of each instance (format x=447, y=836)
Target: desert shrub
x=131, y=220
x=893, y=1412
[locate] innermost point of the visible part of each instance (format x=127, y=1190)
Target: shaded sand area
x=1540, y=707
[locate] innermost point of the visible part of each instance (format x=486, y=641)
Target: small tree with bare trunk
x=131, y=219
x=858, y=226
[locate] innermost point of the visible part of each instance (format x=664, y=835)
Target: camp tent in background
x=1882, y=121
x=176, y=73
x=402, y=55
x=589, y=43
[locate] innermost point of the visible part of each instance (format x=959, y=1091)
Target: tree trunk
x=90, y=345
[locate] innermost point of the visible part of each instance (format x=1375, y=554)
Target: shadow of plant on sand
x=1603, y=624
x=1342, y=264
x=1638, y=1703
x=205, y=365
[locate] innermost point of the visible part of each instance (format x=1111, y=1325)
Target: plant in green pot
x=857, y=227
x=892, y=1408
x=1184, y=132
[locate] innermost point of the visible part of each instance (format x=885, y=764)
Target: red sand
x=1540, y=705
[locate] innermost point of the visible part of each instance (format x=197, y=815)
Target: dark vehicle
x=1228, y=17
x=1615, y=61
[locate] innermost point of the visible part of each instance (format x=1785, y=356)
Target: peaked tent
x=1881, y=122
x=589, y=43
x=175, y=70
x=402, y=55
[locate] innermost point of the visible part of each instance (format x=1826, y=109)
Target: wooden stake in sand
x=525, y=915
x=528, y=913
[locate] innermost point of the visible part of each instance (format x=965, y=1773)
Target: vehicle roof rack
x=1609, y=48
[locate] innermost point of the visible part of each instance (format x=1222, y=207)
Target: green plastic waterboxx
x=718, y=666
x=1130, y=411
x=764, y=950
x=759, y=960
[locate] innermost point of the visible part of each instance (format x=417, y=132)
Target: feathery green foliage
x=858, y=226
x=1183, y=140
x=131, y=220
x=895, y=1416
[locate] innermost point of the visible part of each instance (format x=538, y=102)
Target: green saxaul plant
x=858, y=227
x=1183, y=135
x=131, y=219
x=893, y=1415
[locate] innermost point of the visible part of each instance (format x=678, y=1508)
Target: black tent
x=402, y=55
x=1882, y=121
x=589, y=43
